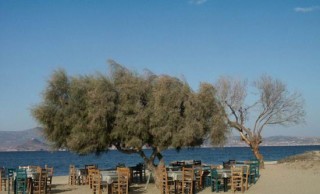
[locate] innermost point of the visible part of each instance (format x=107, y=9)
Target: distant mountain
x=277, y=141
x=33, y=145
x=30, y=139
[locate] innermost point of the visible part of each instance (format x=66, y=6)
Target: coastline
x=278, y=178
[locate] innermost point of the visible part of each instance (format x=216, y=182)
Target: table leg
x=225, y=184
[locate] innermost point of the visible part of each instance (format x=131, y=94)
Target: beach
x=292, y=175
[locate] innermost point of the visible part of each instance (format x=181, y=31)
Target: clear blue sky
x=200, y=40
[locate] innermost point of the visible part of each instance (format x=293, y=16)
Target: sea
x=61, y=160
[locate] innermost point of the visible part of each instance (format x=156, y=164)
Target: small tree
x=274, y=106
x=128, y=111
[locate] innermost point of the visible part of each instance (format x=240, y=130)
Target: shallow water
x=61, y=160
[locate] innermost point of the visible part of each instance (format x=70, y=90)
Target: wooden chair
x=21, y=181
x=198, y=175
x=256, y=163
x=40, y=181
x=11, y=172
x=215, y=181
x=88, y=169
x=49, y=178
x=91, y=173
x=246, y=173
x=254, y=170
x=187, y=180
x=237, y=179
x=167, y=184
x=96, y=183
x=3, y=179
x=121, y=186
x=72, y=175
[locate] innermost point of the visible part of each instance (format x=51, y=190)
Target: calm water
x=61, y=160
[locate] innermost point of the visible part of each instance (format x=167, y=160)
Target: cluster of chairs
x=233, y=174
x=81, y=176
x=91, y=176
x=26, y=179
x=192, y=178
x=242, y=174
x=185, y=186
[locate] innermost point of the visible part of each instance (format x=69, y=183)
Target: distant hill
x=30, y=139
x=33, y=145
x=278, y=141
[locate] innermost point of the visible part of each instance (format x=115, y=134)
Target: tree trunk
x=155, y=172
x=255, y=148
x=150, y=164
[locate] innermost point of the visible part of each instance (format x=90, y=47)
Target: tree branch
x=232, y=111
x=126, y=150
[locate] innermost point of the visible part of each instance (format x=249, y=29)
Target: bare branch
x=274, y=106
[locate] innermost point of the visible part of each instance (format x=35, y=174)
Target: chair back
x=214, y=173
x=198, y=173
x=187, y=180
x=49, y=171
x=237, y=178
x=163, y=176
x=123, y=179
x=10, y=174
x=3, y=179
x=21, y=180
x=72, y=175
x=96, y=181
x=40, y=181
x=91, y=172
x=256, y=163
x=2, y=173
x=49, y=178
x=11, y=171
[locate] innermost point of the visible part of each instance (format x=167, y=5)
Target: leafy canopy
x=91, y=113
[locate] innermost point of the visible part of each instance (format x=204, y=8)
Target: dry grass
x=307, y=156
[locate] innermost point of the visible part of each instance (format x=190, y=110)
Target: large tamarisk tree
x=274, y=105
x=91, y=113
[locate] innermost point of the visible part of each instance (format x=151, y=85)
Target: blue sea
x=61, y=160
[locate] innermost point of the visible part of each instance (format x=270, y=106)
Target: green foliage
x=91, y=113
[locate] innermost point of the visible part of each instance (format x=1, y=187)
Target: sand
x=290, y=177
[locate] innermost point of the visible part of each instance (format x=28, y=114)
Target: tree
x=275, y=105
x=89, y=114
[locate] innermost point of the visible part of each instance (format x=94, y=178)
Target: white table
x=109, y=176
x=175, y=175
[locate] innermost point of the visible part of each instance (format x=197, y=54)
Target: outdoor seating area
x=26, y=179
x=190, y=177
x=115, y=180
x=186, y=177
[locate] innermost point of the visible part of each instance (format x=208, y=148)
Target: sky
x=198, y=40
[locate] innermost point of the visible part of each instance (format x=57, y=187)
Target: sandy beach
x=295, y=176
